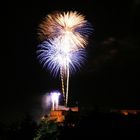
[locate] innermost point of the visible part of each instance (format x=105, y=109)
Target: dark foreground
x=87, y=125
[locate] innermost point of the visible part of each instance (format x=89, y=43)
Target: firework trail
x=64, y=37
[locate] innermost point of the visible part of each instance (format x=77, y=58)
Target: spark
x=55, y=100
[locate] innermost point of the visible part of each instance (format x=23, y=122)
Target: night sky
x=110, y=77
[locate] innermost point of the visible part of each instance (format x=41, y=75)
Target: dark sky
x=109, y=79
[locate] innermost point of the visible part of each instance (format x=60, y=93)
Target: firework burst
x=64, y=37
x=52, y=55
x=69, y=25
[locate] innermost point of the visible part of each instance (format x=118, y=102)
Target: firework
x=53, y=56
x=69, y=25
x=64, y=37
